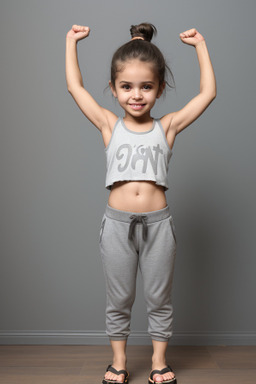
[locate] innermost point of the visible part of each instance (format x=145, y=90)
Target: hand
x=191, y=37
x=78, y=32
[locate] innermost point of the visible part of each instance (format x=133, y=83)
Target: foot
x=113, y=376
x=163, y=376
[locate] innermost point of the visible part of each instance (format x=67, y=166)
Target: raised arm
x=185, y=116
x=99, y=116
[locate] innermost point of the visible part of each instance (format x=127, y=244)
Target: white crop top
x=137, y=156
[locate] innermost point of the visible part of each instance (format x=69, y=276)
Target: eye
x=147, y=87
x=126, y=87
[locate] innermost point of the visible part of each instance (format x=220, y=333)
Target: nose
x=137, y=94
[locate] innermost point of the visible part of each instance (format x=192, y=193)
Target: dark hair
x=142, y=50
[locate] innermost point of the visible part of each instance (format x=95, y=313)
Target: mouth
x=137, y=107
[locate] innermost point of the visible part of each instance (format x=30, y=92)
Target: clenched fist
x=191, y=37
x=78, y=32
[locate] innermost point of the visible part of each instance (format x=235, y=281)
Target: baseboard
x=136, y=338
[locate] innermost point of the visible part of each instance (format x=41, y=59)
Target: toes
x=168, y=376
x=120, y=378
x=165, y=377
x=158, y=378
x=112, y=376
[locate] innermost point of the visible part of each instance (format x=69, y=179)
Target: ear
x=160, y=90
x=112, y=87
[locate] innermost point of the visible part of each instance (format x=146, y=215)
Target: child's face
x=137, y=88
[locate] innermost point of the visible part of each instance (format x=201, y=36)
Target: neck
x=138, y=120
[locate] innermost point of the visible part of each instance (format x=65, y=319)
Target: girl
x=137, y=227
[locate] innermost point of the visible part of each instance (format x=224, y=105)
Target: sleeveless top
x=137, y=156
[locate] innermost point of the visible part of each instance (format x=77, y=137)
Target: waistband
x=125, y=216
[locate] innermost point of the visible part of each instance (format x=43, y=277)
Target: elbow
x=68, y=86
x=209, y=92
x=69, y=90
x=209, y=97
x=72, y=88
x=213, y=96
x=214, y=93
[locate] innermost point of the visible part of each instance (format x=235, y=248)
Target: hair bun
x=144, y=30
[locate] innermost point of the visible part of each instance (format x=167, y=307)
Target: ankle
x=119, y=362
x=119, y=354
x=158, y=362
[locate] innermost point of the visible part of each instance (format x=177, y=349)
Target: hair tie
x=138, y=37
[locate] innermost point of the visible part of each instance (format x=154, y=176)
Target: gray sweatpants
x=128, y=240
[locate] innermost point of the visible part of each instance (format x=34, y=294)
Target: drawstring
x=138, y=219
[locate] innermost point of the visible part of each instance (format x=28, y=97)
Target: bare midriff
x=137, y=196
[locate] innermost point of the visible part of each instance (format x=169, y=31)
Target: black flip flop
x=121, y=372
x=162, y=372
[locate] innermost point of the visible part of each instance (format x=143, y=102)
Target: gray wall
x=52, y=171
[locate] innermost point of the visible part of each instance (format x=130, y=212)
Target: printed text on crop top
x=133, y=156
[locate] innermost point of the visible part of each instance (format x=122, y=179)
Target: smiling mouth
x=137, y=107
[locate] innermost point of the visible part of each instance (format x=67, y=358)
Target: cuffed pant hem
x=163, y=339
x=118, y=338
